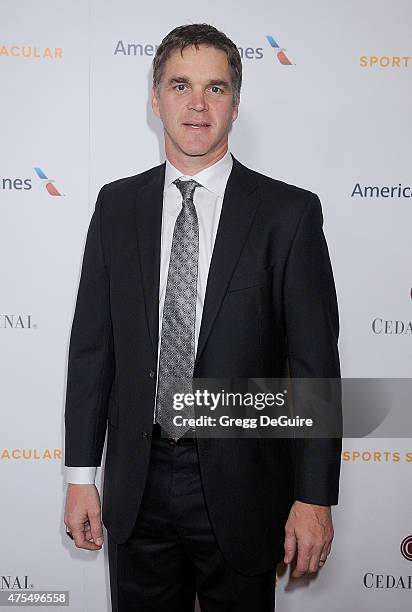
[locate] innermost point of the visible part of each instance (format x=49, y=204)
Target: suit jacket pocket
x=251, y=279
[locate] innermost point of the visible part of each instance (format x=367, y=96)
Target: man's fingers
x=290, y=547
x=302, y=562
x=314, y=560
x=325, y=552
x=83, y=536
x=88, y=534
x=80, y=540
x=96, y=529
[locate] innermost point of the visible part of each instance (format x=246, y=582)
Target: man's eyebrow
x=211, y=83
x=178, y=79
x=220, y=83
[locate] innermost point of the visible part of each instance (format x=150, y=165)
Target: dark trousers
x=172, y=553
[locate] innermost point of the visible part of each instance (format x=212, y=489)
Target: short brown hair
x=197, y=34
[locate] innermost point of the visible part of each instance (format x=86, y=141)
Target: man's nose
x=198, y=101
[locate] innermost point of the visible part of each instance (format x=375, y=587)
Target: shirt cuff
x=81, y=475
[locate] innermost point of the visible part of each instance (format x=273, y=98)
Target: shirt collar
x=213, y=178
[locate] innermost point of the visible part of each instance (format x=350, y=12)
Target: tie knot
x=186, y=188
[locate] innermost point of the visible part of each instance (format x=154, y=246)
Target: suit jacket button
x=152, y=373
x=145, y=435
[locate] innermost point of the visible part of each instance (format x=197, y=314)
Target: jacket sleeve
x=91, y=354
x=312, y=330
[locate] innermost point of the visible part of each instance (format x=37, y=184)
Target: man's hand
x=309, y=531
x=82, y=516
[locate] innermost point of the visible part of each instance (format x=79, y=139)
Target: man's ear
x=155, y=102
x=235, y=112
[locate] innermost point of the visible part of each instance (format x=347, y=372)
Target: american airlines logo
x=47, y=182
x=22, y=183
x=247, y=52
x=381, y=191
x=280, y=52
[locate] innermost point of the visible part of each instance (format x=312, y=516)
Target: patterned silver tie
x=177, y=346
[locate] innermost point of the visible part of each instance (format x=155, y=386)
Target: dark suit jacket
x=270, y=302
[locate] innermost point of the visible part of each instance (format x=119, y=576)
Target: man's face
x=195, y=103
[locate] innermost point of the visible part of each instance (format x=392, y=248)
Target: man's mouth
x=197, y=126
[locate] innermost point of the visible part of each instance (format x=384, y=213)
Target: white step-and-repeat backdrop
x=326, y=104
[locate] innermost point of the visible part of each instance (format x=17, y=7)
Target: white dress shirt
x=208, y=200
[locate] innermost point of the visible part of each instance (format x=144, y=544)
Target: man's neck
x=189, y=166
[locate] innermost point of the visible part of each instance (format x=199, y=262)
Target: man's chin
x=196, y=147
x=195, y=152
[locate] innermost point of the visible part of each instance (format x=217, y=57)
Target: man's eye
x=180, y=86
x=216, y=89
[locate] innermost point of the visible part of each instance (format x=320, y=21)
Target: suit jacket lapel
x=238, y=210
x=149, y=205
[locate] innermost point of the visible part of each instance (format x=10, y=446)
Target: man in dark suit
x=198, y=267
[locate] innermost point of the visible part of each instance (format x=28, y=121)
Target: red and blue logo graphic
x=48, y=183
x=280, y=53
